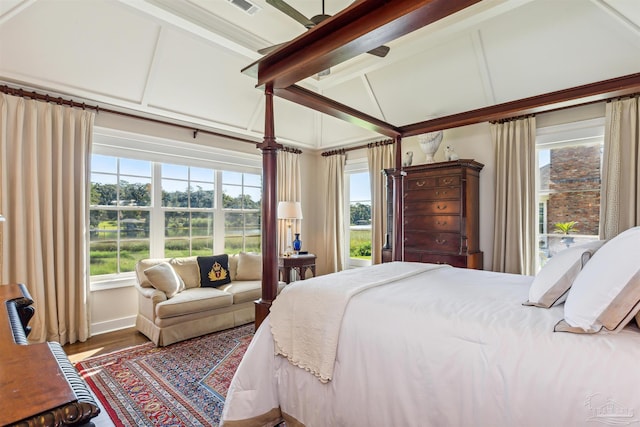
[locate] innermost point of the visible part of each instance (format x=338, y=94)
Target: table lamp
x=289, y=211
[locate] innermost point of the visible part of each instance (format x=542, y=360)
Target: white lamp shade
x=289, y=210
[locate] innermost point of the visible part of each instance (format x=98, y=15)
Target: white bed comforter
x=447, y=347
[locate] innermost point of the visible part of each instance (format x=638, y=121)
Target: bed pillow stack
x=552, y=283
x=606, y=292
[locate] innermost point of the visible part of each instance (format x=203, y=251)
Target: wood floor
x=104, y=343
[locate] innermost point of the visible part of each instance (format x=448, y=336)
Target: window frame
x=123, y=144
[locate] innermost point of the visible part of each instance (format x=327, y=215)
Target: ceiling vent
x=247, y=6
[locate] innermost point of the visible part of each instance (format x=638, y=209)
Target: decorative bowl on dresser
x=441, y=218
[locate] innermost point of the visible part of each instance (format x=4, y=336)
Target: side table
x=299, y=263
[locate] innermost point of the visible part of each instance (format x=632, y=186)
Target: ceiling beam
x=579, y=95
x=317, y=102
x=363, y=26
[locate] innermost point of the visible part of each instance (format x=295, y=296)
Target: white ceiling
x=181, y=60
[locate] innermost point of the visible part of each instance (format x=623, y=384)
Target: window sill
x=104, y=284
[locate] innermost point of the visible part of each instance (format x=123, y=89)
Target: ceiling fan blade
x=269, y=49
x=380, y=51
x=285, y=8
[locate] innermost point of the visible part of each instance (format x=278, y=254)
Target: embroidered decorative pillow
x=552, y=283
x=214, y=270
x=606, y=293
x=164, y=278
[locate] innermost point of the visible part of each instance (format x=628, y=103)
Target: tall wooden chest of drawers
x=441, y=213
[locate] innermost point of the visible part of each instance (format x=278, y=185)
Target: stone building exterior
x=574, y=188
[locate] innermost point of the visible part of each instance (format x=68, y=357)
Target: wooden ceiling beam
x=317, y=102
x=363, y=26
x=579, y=95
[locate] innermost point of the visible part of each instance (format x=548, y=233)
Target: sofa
x=182, y=298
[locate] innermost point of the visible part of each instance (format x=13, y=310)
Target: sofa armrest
x=148, y=298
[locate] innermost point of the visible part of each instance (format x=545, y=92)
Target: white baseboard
x=113, y=325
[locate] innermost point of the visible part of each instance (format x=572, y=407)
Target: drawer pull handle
x=438, y=193
x=441, y=207
x=441, y=242
x=420, y=183
x=441, y=222
x=447, y=180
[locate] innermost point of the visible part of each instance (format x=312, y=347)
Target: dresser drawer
x=437, y=242
x=432, y=207
x=420, y=183
x=432, y=222
x=436, y=193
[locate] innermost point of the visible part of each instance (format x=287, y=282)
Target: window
x=569, y=175
x=168, y=204
x=119, y=217
x=359, y=205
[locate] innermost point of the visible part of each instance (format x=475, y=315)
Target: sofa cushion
x=244, y=290
x=233, y=266
x=187, y=269
x=249, y=266
x=214, y=270
x=164, y=278
x=194, y=300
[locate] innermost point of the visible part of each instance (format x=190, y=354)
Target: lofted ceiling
x=180, y=60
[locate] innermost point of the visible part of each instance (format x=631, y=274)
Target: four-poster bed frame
x=363, y=26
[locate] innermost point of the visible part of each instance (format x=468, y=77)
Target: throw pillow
x=606, y=293
x=552, y=283
x=249, y=266
x=164, y=278
x=214, y=270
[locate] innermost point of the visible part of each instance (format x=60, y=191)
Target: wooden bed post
x=269, y=149
x=398, y=213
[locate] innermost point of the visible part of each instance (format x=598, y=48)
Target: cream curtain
x=45, y=151
x=333, y=258
x=379, y=158
x=289, y=190
x=514, y=246
x=620, y=191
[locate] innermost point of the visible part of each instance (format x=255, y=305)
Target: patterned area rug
x=183, y=384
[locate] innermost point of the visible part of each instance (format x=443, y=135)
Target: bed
x=429, y=345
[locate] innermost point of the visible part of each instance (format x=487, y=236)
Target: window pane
x=176, y=224
x=132, y=251
x=202, y=195
x=103, y=246
x=104, y=163
x=202, y=224
x=135, y=167
x=104, y=190
x=202, y=246
x=175, y=171
x=253, y=179
x=135, y=191
x=233, y=230
x=252, y=198
x=229, y=177
x=174, y=194
x=231, y=197
x=201, y=174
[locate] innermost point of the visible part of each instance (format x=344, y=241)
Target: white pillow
x=606, y=293
x=164, y=278
x=553, y=281
x=249, y=266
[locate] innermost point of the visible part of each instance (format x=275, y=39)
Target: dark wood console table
x=299, y=263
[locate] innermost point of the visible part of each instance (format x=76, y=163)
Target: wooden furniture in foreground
x=299, y=263
x=39, y=385
x=441, y=213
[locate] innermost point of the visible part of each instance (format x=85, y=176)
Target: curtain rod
x=369, y=145
x=70, y=102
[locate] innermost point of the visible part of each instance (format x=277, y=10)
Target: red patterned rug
x=183, y=384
